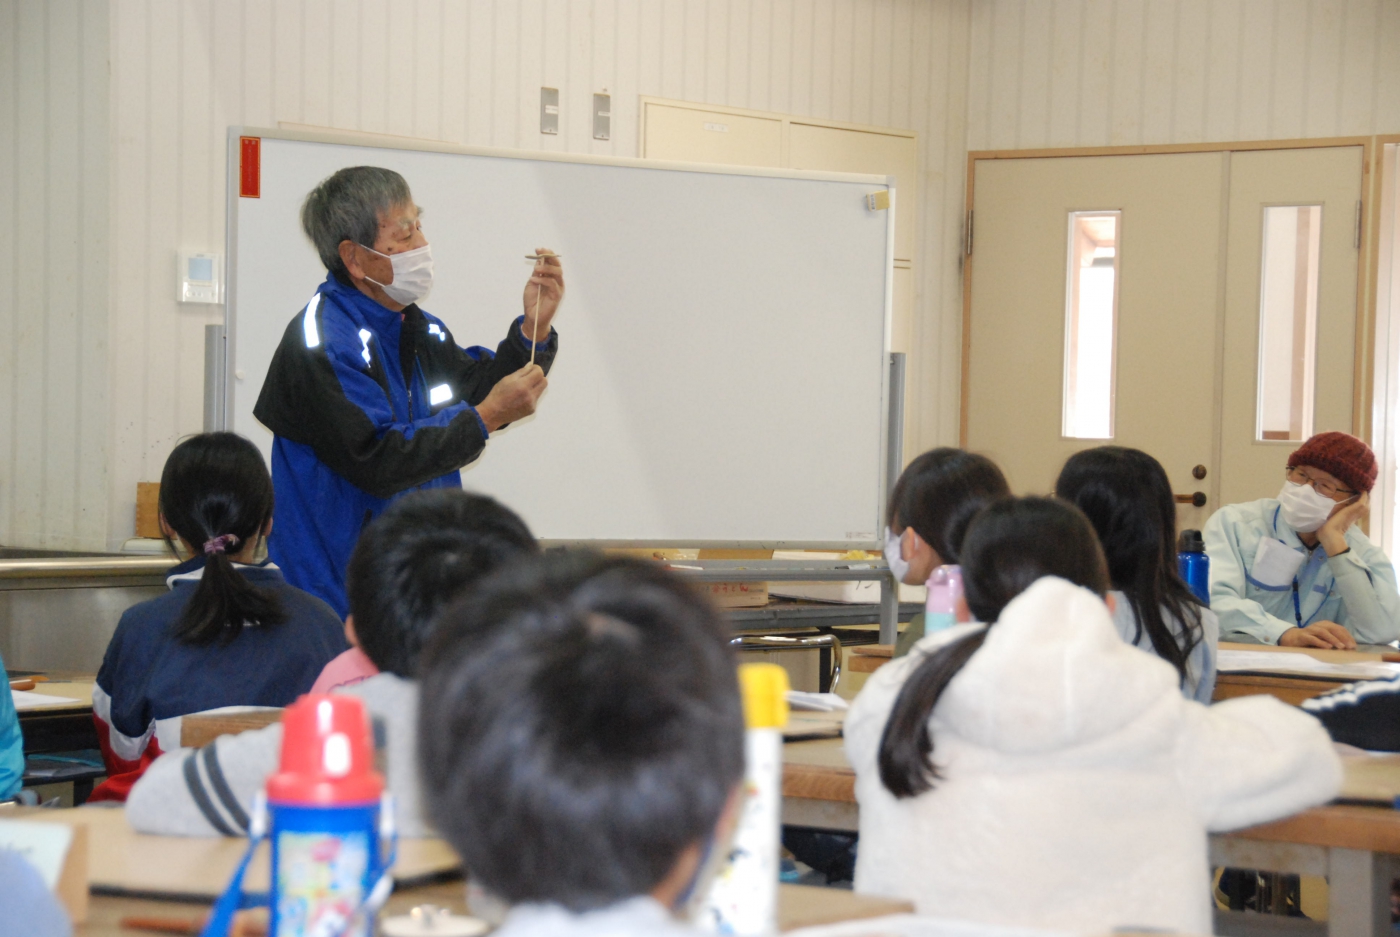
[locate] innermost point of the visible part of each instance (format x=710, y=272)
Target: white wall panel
x=470, y=72
x=124, y=176
x=1059, y=73
x=53, y=273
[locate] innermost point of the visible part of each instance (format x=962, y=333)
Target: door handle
x=1196, y=498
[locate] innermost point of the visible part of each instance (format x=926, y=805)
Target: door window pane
x=1288, y=321
x=1091, y=313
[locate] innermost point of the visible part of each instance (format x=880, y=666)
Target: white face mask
x=413, y=275
x=894, y=555
x=1304, y=509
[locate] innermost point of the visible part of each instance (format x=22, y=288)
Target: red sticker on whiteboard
x=249, y=167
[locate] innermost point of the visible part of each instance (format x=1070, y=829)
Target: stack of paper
x=1301, y=664
x=27, y=699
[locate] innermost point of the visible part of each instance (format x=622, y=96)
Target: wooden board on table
x=1371, y=778
x=798, y=906
x=810, y=906
x=124, y=862
x=1291, y=689
x=75, y=695
x=818, y=771
x=199, y=729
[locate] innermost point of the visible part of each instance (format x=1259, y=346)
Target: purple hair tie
x=220, y=544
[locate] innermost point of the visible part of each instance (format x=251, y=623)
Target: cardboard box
x=739, y=594
x=148, y=510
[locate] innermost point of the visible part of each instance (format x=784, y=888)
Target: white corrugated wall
x=471, y=73
x=54, y=263
x=100, y=185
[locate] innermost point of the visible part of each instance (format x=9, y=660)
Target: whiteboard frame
x=390, y=142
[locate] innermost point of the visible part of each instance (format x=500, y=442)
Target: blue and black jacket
x=366, y=404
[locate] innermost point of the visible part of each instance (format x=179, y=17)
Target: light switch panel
x=549, y=110
x=602, y=116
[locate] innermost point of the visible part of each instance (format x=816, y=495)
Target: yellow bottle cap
x=764, y=687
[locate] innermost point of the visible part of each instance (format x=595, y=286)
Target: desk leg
x=1358, y=903
x=889, y=609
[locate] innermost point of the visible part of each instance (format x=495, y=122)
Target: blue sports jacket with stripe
x=366, y=404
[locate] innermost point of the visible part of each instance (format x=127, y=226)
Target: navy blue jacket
x=367, y=404
x=149, y=679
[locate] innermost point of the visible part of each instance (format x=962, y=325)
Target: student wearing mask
x=1295, y=570
x=1033, y=746
x=412, y=561
x=1126, y=495
x=370, y=396
x=230, y=632
x=930, y=508
x=582, y=744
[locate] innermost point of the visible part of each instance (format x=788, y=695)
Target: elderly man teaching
x=368, y=396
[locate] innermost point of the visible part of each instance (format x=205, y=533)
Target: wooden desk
x=62, y=727
x=798, y=906
x=1356, y=847
x=1292, y=688
x=199, y=729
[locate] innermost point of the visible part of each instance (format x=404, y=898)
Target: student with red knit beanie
x=1295, y=570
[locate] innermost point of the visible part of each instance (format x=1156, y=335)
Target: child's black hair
x=939, y=492
x=413, y=560
x=216, y=494
x=580, y=728
x=1126, y=495
x=1008, y=546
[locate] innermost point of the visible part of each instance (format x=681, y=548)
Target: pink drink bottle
x=945, y=587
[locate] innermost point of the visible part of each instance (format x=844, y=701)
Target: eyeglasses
x=1325, y=488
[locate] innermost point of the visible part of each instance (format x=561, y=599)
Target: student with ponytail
x=1126, y=495
x=230, y=632
x=1032, y=745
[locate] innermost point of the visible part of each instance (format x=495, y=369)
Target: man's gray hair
x=347, y=205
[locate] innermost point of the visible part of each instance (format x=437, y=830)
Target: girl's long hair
x=216, y=494
x=1127, y=497
x=1010, y=544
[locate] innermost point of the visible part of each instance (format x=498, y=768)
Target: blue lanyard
x=1297, y=606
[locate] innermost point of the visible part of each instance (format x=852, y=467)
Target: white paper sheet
x=1287, y=662
x=44, y=845
x=27, y=699
x=817, y=702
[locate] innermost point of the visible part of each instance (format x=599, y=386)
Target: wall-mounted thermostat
x=200, y=278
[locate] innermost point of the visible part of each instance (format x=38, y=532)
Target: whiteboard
x=722, y=376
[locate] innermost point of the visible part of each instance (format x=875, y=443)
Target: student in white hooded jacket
x=1038, y=771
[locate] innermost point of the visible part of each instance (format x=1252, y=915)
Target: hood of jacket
x=1052, y=674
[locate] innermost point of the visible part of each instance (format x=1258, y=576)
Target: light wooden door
x=1330, y=178
x=1188, y=345
x=1169, y=254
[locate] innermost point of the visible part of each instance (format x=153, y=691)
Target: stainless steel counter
x=58, y=613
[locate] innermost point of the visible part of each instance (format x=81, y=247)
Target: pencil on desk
x=242, y=927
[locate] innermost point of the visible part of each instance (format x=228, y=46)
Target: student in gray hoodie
x=427, y=549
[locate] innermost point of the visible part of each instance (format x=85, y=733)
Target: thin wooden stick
x=535, y=328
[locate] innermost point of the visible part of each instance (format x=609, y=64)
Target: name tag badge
x=1275, y=563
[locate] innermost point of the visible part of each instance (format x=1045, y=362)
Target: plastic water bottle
x=1194, y=564
x=945, y=587
x=743, y=898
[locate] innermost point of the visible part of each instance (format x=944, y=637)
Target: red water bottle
x=328, y=816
